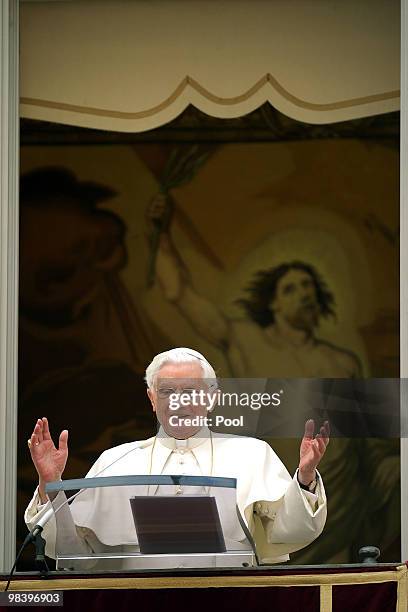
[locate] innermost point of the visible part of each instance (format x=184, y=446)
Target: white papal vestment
x=281, y=516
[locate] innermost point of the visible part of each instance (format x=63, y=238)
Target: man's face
x=178, y=379
x=296, y=300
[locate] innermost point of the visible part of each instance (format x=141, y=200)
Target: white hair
x=177, y=355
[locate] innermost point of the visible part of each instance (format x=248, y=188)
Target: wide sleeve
x=284, y=518
x=295, y=521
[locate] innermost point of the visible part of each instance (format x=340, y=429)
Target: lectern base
x=243, y=558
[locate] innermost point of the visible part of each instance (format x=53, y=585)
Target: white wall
x=9, y=154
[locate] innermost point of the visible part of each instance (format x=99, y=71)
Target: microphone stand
x=39, y=542
x=40, y=560
x=36, y=538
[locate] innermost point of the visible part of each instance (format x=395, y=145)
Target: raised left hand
x=312, y=450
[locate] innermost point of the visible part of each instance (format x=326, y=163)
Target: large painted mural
x=274, y=258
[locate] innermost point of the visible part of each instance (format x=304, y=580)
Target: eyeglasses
x=166, y=392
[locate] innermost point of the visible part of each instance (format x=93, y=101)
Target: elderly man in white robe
x=283, y=514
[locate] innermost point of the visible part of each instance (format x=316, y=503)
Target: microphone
x=42, y=521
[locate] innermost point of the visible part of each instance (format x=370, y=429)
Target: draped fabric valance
x=135, y=65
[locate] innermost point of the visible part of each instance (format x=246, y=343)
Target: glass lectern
x=148, y=522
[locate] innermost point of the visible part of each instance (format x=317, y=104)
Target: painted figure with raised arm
x=283, y=308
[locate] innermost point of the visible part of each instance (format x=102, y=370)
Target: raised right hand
x=49, y=461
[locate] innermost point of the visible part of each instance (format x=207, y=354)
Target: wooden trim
x=326, y=599
x=197, y=582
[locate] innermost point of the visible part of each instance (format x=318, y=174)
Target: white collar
x=203, y=451
x=189, y=443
